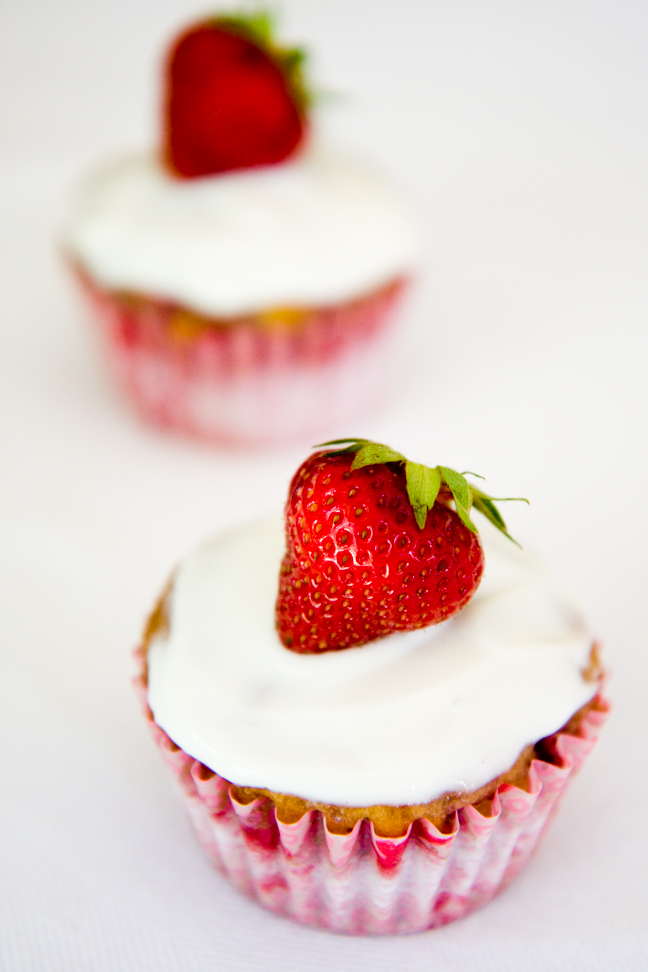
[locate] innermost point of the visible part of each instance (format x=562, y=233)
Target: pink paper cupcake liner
x=246, y=382
x=361, y=883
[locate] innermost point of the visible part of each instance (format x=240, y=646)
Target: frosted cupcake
x=245, y=277
x=377, y=747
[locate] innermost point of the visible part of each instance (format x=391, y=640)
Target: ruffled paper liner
x=279, y=376
x=361, y=883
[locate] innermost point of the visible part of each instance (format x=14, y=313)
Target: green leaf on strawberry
x=425, y=482
x=423, y=485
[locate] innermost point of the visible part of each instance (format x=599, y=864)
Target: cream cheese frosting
x=317, y=230
x=399, y=721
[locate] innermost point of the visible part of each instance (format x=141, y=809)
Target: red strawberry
x=233, y=99
x=373, y=547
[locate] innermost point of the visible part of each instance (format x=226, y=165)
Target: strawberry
x=233, y=99
x=373, y=546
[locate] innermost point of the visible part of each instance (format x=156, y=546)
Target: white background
x=519, y=131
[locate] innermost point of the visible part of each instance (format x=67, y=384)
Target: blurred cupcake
x=244, y=278
x=398, y=785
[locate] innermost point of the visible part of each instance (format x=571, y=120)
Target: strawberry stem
x=424, y=483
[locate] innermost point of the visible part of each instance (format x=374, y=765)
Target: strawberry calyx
x=426, y=484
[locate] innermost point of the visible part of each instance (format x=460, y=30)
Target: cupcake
x=370, y=710
x=244, y=276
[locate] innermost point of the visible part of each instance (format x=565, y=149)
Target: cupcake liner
x=276, y=376
x=361, y=883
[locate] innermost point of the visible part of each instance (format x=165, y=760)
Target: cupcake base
x=360, y=882
x=284, y=374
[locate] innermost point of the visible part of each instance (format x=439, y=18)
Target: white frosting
x=317, y=230
x=399, y=721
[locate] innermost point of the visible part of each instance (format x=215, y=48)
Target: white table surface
x=519, y=130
